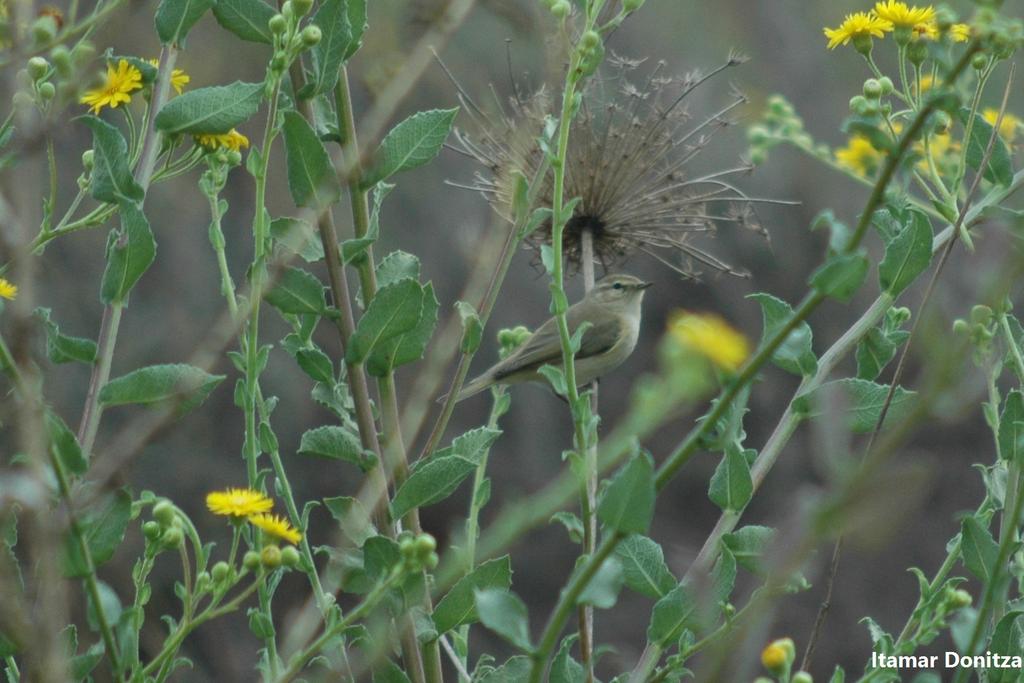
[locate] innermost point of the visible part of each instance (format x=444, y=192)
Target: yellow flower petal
x=276, y=526
x=712, y=337
x=121, y=81
x=856, y=25
x=8, y=290
x=235, y=502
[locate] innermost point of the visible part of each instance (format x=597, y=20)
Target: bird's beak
x=644, y=285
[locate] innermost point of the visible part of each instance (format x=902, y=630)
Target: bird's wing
x=543, y=345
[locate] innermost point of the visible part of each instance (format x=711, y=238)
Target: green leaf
x=353, y=518
x=565, y=669
x=723, y=577
x=795, y=354
x=1000, y=164
x=472, y=328
x=316, y=364
x=863, y=402
x=412, y=143
x=298, y=236
x=247, y=19
x=64, y=444
x=311, y=177
x=336, y=443
x=1007, y=640
x=297, y=291
x=130, y=252
x=978, y=549
x=747, y=545
x=643, y=566
x=876, y=350
x=838, y=232
x=731, y=485
x=158, y=383
x=515, y=670
x=628, y=503
x=396, y=266
x=212, y=110
x=380, y=554
x=329, y=54
x=430, y=483
x=395, y=310
x=458, y=607
x=102, y=528
x=841, y=276
x=388, y=672
x=408, y=347
x=111, y=180
x=672, y=613
x=603, y=589
x=61, y=348
x=1011, y=428
x=354, y=249
x=174, y=18
x=907, y=254
x=505, y=614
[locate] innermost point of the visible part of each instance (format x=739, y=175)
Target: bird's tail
x=474, y=387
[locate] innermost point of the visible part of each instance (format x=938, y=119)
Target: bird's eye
x=617, y=285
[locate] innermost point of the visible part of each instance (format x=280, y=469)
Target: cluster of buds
x=166, y=530
x=271, y=557
x=511, y=338
x=418, y=552
x=779, y=124
x=559, y=8
x=980, y=329
x=289, y=38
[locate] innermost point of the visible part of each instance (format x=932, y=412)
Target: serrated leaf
x=298, y=292
x=603, y=589
x=863, y=402
x=412, y=143
x=316, y=364
x=212, y=110
x=1007, y=640
x=430, y=483
x=61, y=348
x=643, y=566
x=672, y=613
x=64, y=445
x=1000, y=164
x=795, y=354
x=458, y=606
x=505, y=614
x=396, y=266
x=874, y=352
x=311, y=177
x=174, y=18
x=103, y=529
x=1011, y=428
x=978, y=549
x=747, y=545
x=158, y=383
x=731, y=485
x=111, y=179
x=353, y=518
x=907, y=254
x=628, y=503
x=565, y=669
x=840, y=276
x=336, y=443
x=298, y=236
x=410, y=346
x=394, y=310
x=328, y=55
x=129, y=254
x=388, y=672
x=247, y=19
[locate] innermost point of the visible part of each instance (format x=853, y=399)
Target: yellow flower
x=712, y=337
x=859, y=156
x=960, y=33
x=927, y=29
x=8, y=290
x=1007, y=127
x=179, y=79
x=115, y=91
x=902, y=16
x=232, y=140
x=927, y=81
x=238, y=502
x=276, y=526
x=778, y=654
x=857, y=25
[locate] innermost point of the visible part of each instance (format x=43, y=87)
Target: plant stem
x=588, y=504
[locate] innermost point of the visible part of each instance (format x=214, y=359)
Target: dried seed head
x=631, y=152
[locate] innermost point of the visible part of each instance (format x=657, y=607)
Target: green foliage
x=907, y=253
x=978, y=549
x=212, y=110
x=863, y=402
x=731, y=486
x=102, y=531
x=336, y=443
x=628, y=503
x=311, y=177
x=410, y=144
x=1000, y=166
x=61, y=348
x=343, y=23
x=158, y=383
x=111, y=180
x=458, y=606
x=298, y=292
x=395, y=310
x=174, y=18
x=64, y=445
x=1011, y=429
x=409, y=346
x=795, y=354
x=643, y=566
x=841, y=276
x=246, y=19
x=505, y=614
x=130, y=253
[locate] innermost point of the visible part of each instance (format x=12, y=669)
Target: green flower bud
x=251, y=560
x=270, y=557
x=302, y=7
x=407, y=547
x=561, y=9
x=959, y=598
x=277, y=24
x=172, y=537
x=290, y=556
x=758, y=156
x=632, y=5
x=778, y=106
x=548, y=4
x=431, y=561
x=288, y=9
x=151, y=530
x=941, y=122
x=61, y=58
x=590, y=40
x=220, y=572
x=202, y=581
x=234, y=157
x=960, y=326
x=311, y=35
x=903, y=35
x=801, y=677
x=862, y=43
x=38, y=68
x=979, y=62
x=758, y=135
x=278, y=63
x=917, y=52
x=858, y=103
x=164, y=513
x=47, y=91
x=981, y=314
x=887, y=86
x=82, y=53
x=44, y=29
x=425, y=544
x=88, y=157
x=872, y=89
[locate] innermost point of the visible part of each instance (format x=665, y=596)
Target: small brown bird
x=612, y=308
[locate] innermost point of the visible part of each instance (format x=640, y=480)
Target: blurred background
x=449, y=228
